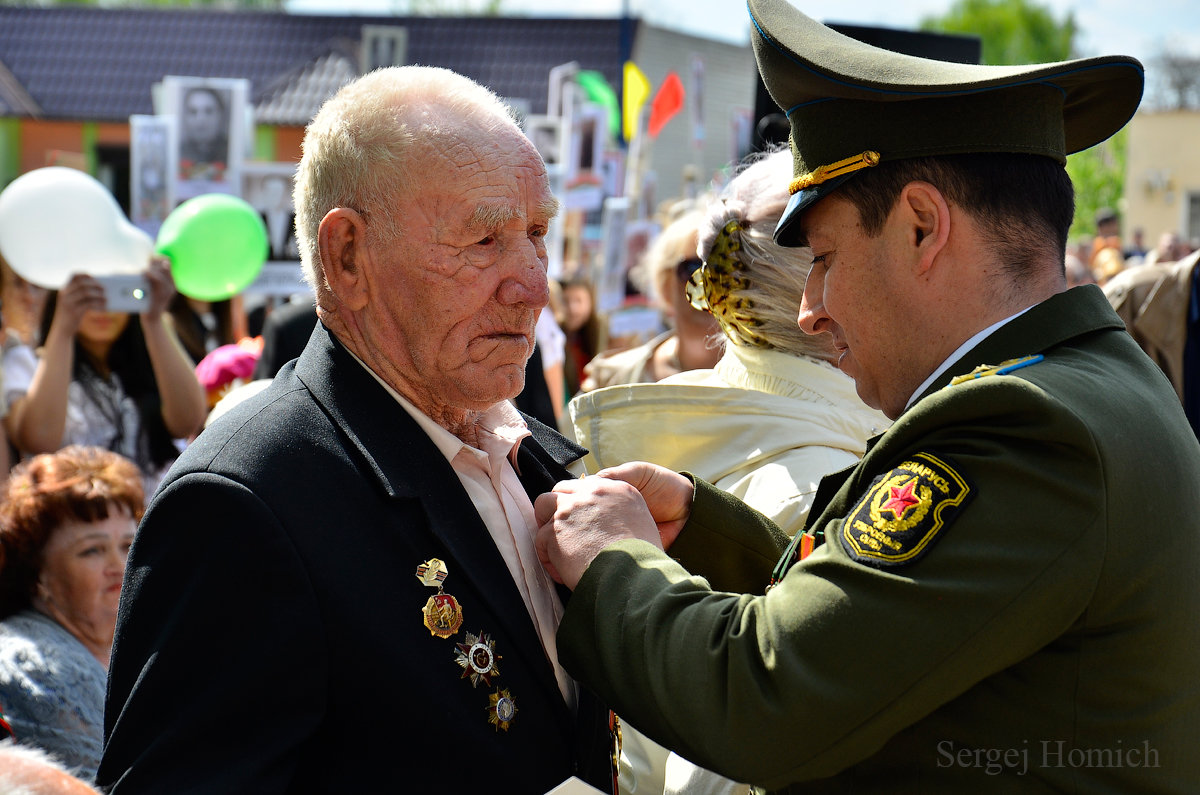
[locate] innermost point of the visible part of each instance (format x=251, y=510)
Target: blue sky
x=1141, y=28
x=1126, y=27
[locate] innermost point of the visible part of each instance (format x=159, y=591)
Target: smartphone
x=125, y=292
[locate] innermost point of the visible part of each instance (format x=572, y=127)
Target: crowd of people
x=1100, y=257
x=864, y=504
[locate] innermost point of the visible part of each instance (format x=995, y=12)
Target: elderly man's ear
x=342, y=240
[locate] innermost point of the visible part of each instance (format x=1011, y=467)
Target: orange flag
x=666, y=103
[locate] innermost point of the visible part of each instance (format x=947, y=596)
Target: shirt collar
x=502, y=423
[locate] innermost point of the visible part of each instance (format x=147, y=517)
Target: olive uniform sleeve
x=819, y=673
x=729, y=543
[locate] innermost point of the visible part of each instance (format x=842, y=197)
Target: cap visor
x=787, y=231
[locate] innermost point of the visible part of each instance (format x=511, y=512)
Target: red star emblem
x=902, y=499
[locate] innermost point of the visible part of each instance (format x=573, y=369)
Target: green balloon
x=217, y=244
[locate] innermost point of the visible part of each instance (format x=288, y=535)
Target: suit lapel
x=409, y=465
x=542, y=459
x=542, y=462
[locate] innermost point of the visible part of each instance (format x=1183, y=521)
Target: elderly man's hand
x=579, y=518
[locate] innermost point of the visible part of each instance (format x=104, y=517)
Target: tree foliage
x=1011, y=31
x=1099, y=177
x=1019, y=32
x=486, y=8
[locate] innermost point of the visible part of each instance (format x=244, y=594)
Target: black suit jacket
x=270, y=635
x=285, y=332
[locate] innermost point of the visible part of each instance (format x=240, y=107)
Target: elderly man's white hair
x=30, y=771
x=775, y=275
x=362, y=147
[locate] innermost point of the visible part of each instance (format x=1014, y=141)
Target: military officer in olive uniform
x=1002, y=595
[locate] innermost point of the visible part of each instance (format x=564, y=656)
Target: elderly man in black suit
x=336, y=588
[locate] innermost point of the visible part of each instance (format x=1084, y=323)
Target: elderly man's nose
x=528, y=284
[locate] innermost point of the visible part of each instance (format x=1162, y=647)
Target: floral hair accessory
x=714, y=288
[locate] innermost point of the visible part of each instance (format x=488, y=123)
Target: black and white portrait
x=546, y=132
x=268, y=188
x=210, y=116
x=152, y=152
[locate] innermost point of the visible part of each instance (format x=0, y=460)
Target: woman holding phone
x=107, y=379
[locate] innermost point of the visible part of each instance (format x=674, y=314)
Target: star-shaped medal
x=501, y=709
x=478, y=658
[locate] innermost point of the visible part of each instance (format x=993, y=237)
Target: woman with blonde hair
x=663, y=274
x=774, y=414
x=766, y=423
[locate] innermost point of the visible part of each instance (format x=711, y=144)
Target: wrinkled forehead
x=499, y=176
x=489, y=146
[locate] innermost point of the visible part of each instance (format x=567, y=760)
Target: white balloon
x=56, y=221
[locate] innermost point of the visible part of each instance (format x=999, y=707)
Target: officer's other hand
x=579, y=518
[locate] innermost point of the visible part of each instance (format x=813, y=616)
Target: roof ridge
x=14, y=94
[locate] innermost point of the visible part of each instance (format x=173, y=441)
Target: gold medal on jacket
x=501, y=709
x=443, y=614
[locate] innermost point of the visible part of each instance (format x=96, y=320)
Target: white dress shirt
x=489, y=476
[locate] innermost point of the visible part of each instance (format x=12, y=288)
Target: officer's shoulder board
x=905, y=512
x=1004, y=368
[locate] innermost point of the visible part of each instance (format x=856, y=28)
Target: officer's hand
x=667, y=493
x=579, y=518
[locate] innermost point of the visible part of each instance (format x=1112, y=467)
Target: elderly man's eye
x=487, y=241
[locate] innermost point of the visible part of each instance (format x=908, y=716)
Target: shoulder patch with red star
x=905, y=512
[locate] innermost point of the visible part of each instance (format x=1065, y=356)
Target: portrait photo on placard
x=267, y=187
x=586, y=143
x=546, y=132
x=210, y=117
x=152, y=154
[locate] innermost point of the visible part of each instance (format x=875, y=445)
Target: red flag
x=666, y=103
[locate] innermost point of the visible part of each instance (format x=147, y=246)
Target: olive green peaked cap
x=852, y=105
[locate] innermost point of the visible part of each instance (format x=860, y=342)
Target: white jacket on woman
x=763, y=425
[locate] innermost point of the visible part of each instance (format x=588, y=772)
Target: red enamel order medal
x=478, y=658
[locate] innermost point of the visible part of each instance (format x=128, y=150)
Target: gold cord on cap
x=826, y=173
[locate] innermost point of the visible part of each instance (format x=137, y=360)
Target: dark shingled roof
x=93, y=64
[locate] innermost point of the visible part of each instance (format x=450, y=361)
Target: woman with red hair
x=67, y=520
